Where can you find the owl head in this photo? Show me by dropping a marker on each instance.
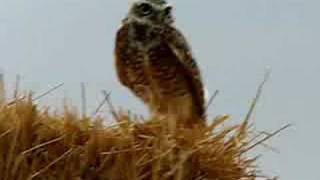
(150, 12)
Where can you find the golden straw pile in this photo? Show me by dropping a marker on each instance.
(38, 145)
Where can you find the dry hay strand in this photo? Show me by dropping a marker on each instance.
(37, 145)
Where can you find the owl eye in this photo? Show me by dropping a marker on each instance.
(167, 10)
(145, 9)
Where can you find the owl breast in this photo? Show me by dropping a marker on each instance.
(166, 72)
(153, 71)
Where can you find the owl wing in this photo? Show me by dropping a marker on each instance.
(121, 56)
(181, 49)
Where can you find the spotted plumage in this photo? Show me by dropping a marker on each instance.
(155, 62)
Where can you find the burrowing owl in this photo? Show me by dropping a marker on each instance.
(155, 62)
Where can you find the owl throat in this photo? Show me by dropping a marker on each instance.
(144, 36)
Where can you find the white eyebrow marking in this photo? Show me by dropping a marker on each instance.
(157, 6)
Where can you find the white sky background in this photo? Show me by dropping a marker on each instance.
(71, 41)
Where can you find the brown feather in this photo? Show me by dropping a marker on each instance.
(121, 45)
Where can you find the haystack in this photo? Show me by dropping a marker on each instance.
(38, 145)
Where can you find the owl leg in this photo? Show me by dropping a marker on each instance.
(145, 93)
(182, 109)
(174, 112)
(157, 110)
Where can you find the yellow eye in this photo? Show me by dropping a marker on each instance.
(145, 9)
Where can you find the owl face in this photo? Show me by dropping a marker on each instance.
(150, 12)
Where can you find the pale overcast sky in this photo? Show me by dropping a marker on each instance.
(71, 41)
